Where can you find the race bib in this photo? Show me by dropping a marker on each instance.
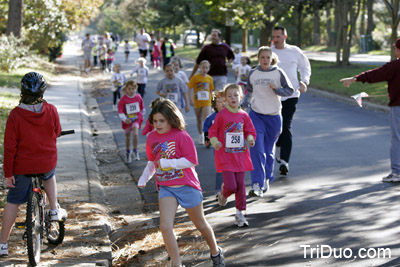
(173, 97)
(132, 108)
(234, 140)
(203, 95)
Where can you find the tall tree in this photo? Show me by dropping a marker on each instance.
(370, 19)
(393, 9)
(14, 23)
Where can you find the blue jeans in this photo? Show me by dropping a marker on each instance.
(219, 82)
(395, 139)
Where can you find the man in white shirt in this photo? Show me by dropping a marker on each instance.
(87, 45)
(143, 40)
(292, 60)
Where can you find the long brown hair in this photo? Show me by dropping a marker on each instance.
(170, 111)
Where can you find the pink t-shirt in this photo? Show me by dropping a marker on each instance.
(132, 107)
(174, 144)
(232, 129)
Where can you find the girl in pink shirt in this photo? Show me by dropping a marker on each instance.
(172, 158)
(130, 109)
(231, 128)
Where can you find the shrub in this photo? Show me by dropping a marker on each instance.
(12, 53)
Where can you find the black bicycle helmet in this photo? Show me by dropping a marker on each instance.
(33, 83)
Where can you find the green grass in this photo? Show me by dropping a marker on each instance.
(326, 76)
(189, 52)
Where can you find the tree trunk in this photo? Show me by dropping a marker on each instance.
(299, 24)
(244, 39)
(370, 19)
(339, 32)
(264, 34)
(329, 33)
(362, 19)
(317, 32)
(14, 23)
(393, 7)
(228, 35)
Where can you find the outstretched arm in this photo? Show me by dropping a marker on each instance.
(348, 81)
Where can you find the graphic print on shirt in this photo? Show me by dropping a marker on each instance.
(234, 137)
(172, 92)
(167, 150)
(202, 91)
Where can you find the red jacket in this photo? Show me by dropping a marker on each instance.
(389, 72)
(30, 141)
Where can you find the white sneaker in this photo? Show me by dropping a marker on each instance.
(58, 214)
(137, 157)
(128, 157)
(114, 107)
(201, 139)
(284, 168)
(266, 185)
(256, 191)
(240, 220)
(4, 250)
(278, 154)
(391, 178)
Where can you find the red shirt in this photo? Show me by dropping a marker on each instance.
(216, 55)
(389, 72)
(30, 141)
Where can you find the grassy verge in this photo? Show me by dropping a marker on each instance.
(326, 76)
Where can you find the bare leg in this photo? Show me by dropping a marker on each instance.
(196, 214)
(128, 141)
(205, 111)
(50, 186)
(9, 216)
(135, 137)
(168, 206)
(197, 112)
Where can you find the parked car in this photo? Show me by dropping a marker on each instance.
(190, 37)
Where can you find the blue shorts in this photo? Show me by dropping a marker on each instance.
(187, 196)
(23, 186)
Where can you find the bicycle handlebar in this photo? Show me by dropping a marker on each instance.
(67, 132)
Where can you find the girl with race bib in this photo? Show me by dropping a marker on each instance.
(172, 159)
(202, 86)
(118, 80)
(130, 109)
(228, 135)
(173, 88)
(142, 73)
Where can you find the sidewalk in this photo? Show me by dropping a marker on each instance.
(86, 241)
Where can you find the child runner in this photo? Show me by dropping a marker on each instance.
(30, 147)
(265, 86)
(142, 73)
(156, 55)
(130, 109)
(242, 73)
(202, 85)
(231, 128)
(172, 158)
(103, 56)
(127, 48)
(148, 127)
(173, 88)
(238, 57)
(110, 59)
(118, 80)
(176, 62)
(218, 104)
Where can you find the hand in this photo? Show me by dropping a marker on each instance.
(140, 185)
(10, 181)
(218, 146)
(302, 87)
(207, 143)
(252, 143)
(273, 86)
(128, 121)
(348, 81)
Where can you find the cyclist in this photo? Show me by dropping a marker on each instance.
(30, 148)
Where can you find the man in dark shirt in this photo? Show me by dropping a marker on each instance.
(217, 53)
(390, 72)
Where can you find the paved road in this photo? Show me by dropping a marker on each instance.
(332, 198)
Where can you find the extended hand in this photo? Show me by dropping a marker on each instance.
(348, 81)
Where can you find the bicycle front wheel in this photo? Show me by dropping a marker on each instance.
(34, 228)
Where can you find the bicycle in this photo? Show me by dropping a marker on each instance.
(38, 224)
